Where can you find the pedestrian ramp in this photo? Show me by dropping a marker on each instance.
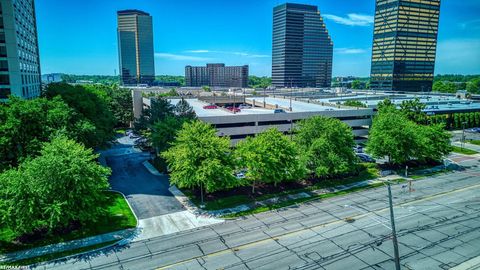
(172, 223)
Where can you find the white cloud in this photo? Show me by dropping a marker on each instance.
(197, 51)
(350, 51)
(352, 19)
(180, 57)
(244, 54)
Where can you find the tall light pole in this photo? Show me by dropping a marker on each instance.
(394, 232)
(463, 134)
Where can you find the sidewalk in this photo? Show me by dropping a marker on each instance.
(66, 246)
(300, 195)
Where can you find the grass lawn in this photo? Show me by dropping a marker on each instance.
(303, 200)
(118, 217)
(464, 150)
(476, 142)
(369, 171)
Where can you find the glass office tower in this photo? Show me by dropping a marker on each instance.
(135, 47)
(19, 56)
(302, 50)
(404, 45)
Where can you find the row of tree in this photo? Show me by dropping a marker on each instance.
(49, 176)
(198, 158)
(322, 147)
(453, 83)
(397, 134)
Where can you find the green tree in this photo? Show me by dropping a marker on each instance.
(199, 158)
(355, 103)
(394, 136)
(183, 109)
(164, 132)
(259, 82)
(63, 184)
(121, 105)
(385, 105)
(327, 144)
(356, 84)
(413, 110)
(434, 143)
(270, 157)
(92, 104)
(206, 88)
(26, 124)
(159, 109)
(473, 86)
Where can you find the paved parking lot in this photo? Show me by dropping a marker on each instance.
(147, 193)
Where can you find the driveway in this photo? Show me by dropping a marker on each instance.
(147, 193)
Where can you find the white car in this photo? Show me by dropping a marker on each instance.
(240, 175)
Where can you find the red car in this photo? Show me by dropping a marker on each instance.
(230, 108)
(210, 107)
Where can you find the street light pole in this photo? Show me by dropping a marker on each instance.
(394, 232)
(463, 134)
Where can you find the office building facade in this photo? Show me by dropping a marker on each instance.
(217, 75)
(302, 50)
(19, 57)
(135, 47)
(404, 45)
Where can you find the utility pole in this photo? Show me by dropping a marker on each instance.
(463, 134)
(394, 232)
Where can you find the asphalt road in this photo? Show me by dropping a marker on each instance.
(147, 193)
(437, 224)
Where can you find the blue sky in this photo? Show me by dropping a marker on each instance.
(79, 37)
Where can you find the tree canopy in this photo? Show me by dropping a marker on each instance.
(26, 124)
(327, 144)
(199, 158)
(61, 185)
(400, 139)
(270, 157)
(92, 104)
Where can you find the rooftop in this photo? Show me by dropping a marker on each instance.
(297, 106)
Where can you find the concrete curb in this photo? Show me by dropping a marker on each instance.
(151, 168)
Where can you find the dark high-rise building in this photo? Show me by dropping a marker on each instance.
(19, 55)
(404, 44)
(302, 49)
(216, 75)
(135, 47)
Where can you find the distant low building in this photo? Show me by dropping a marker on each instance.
(217, 75)
(52, 78)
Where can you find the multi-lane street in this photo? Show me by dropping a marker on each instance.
(437, 225)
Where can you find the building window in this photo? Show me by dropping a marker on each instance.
(2, 37)
(4, 79)
(3, 51)
(3, 65)
(5, 92)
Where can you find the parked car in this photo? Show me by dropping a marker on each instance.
(233, 109)
(366, 158)
(134, 136)
(210, 107)
(244, 106)
(279, 111)
(358, 149)
(240, 175)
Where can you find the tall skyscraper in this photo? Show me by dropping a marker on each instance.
(216, 75)
(302, 49)
(135, 47)
(19, 60)
(404, 44)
